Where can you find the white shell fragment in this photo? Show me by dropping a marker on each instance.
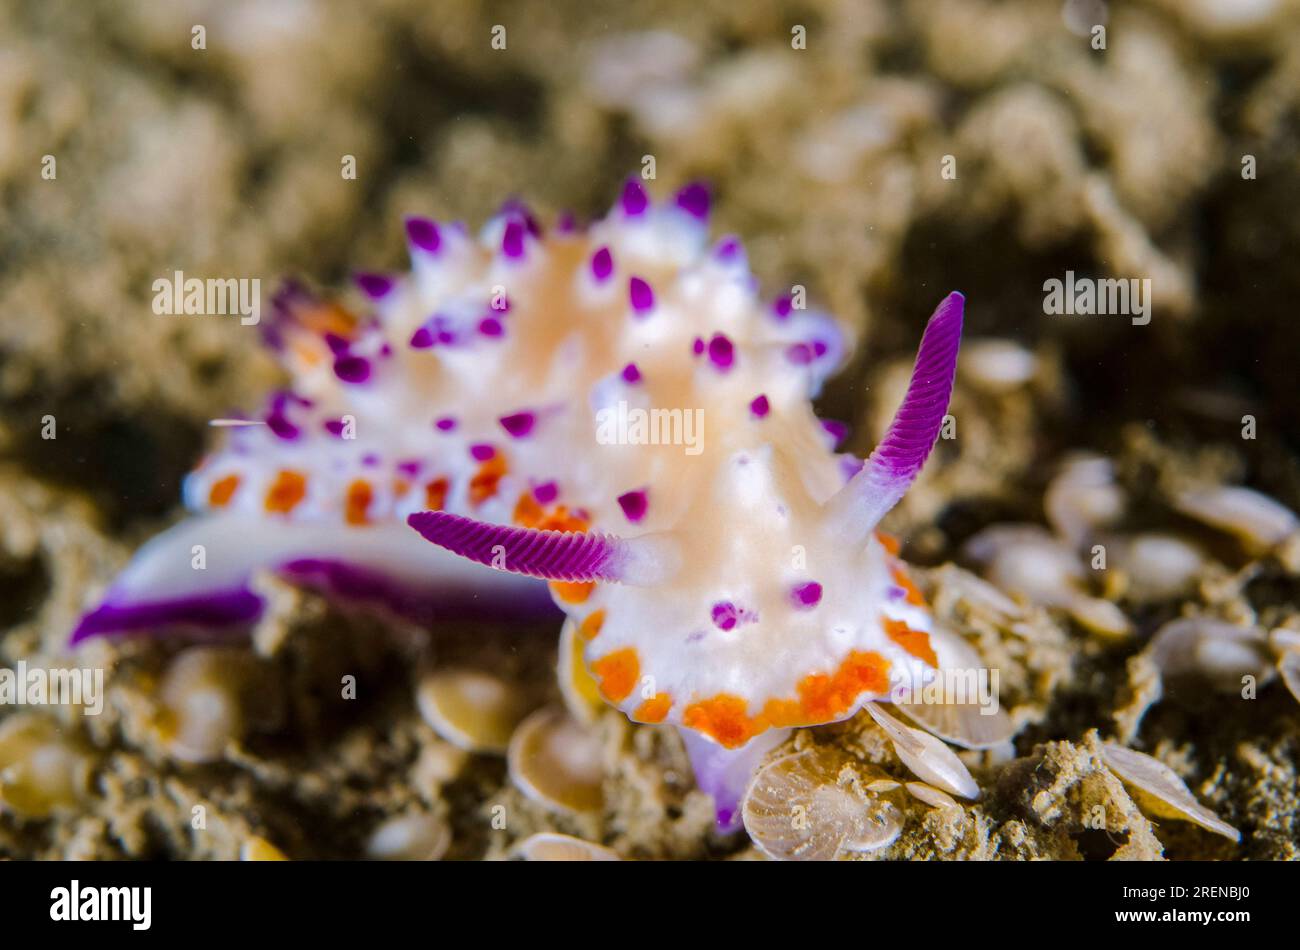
(1220, 652)
(796, 810)
(997, 366)
(552, 846)
(556, 762)
(927, 757)
(1159, 566)
(1164, 794)
(473, 710)
(931, 795)
(967, 713)
(414, 837)
(1254, 518)
(1082, 498)
(1026, 560)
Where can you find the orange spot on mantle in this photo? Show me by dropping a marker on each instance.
(288, 489)
(435, 494)
(823, 697)
(617, 673)
(914, 596)
(915, 642)
(572, 592)
(357, 503)
(654, 709)
(485, 481)
(591, 625)
(221, 491)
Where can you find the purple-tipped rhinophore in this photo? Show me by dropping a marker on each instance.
(897, 460)
(553, 555)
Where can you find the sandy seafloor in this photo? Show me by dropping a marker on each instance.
(1123, 162)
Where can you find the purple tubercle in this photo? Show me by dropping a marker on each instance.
(334, 427)
(640, 295)
(836, 430)
(694, 200)
(409, 467)
(445, 424)
(896, 593)
(634, 200)
(423, 234)
(634, 504)
(782, 306)
(553, 555)
(602, 264)
(566, 223)
(760, 407)
(281, 427)
(806, 595)
(491, 327)
(697, 346)
(631, 374)
(512, 240)
(728, 249)
(517, 209)
(337, 344)
(482, 451)
(518, 424)
(436, 331)
(721, 352)
(546, 492)
(374, 286)
(352, 369)
(725, 615)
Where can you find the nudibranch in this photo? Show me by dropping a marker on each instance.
(611, 409)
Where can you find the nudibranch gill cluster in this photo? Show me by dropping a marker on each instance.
(611, 408)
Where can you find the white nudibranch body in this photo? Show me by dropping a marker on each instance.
(613, 409)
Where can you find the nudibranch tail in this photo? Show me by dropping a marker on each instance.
(199, 575)
(570, 556)
(897, 460)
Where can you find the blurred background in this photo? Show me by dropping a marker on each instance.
(878, 152)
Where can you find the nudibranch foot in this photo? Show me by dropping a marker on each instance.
(198, 576)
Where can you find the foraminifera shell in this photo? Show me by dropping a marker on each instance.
(555, 760)
(796, 810)
(208, 701)
(471, 709)
(552, 846)
(412, 837)
(41, 769)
